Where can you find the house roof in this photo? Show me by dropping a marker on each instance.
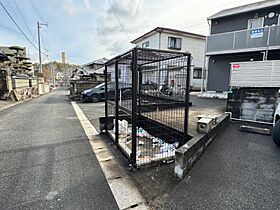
(100, 61)
(245, 8)
(167, 30)
(7, 50)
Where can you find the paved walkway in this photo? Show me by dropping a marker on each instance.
(238, 171)
(6, 104)
(46, 161)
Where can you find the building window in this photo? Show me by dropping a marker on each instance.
(255, 23)
(120, 73)
(146, 44)
(174, 43)
(197, 73)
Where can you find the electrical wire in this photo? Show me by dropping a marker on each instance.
(21, 31)
(113, 10)
(34, 39)
(43, 43)
(36, 10)
(10, 29)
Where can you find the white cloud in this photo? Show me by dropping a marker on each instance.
(139, 16)
(88, 5)
(118, 23)
(125, 8)
(70, 7)
(73, 8)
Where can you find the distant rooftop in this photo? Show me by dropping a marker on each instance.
(245, 8)
(168, 30)
(100, 61)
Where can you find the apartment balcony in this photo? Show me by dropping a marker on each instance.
(266, 38)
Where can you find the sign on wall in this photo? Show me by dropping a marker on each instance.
(257, 33)
(235, 67)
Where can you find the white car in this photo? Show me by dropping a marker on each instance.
(276, 125)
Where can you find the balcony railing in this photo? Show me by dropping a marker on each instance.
(267, 37)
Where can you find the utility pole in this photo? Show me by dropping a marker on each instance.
(63, 57)
(53, 74)
(39, 45)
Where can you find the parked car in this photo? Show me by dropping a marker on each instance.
(97, 93)
(276, 125)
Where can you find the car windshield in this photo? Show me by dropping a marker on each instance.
(100, 85)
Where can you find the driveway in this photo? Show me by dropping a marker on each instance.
(238, 171)
(200, 106)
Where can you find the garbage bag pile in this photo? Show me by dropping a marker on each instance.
(148, 146)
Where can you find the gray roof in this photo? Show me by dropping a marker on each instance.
(6, 50)
(245, 8)
(167, 30)
(100, 61)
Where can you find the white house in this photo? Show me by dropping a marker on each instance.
(178, 41)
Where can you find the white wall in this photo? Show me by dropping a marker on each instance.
(125, 73)
(193, 45)
(196, 46)
(153, 41)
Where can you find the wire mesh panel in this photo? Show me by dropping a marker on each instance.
(150, 103)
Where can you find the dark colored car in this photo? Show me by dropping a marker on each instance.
(97, 93)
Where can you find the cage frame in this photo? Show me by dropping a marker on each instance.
(134, 112)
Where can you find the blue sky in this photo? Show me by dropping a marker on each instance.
(90, 29)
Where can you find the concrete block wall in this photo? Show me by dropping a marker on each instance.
(187, 155)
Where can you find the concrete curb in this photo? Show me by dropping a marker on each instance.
(122, 186)
(21, 102)
(187, 155)
(10, 105)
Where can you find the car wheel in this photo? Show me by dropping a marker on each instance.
(276, 133)
(94, 98)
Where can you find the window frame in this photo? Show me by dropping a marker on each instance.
(120, 73)
(169, 43)
(199, 74)
(260, 18)
(146, 44)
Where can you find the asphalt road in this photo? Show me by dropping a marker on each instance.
(238, 171)
(46, 161)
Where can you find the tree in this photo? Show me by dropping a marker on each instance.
(57, 67)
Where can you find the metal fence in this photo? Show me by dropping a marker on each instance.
(147, 103)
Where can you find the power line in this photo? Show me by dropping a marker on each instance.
(18, 26)
(21, 31)
(46, 40)
(113, 10)
(36, 10)
(10, 29)
(24, 21)
(201, 11)
(43, 43)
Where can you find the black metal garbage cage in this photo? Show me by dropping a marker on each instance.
(147, 103)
